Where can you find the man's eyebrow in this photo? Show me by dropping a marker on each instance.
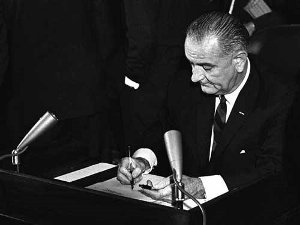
(203, 64)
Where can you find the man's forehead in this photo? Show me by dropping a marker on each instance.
(207, 45)
(206, 41)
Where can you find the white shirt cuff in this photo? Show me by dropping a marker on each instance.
(131, 83)
(214, 186)
(147, 154)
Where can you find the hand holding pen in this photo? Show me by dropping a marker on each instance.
(131, 168)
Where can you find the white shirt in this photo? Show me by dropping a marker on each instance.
(214, 185)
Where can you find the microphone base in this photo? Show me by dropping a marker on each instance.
(178, 204)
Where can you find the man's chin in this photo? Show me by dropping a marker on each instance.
(208, 90)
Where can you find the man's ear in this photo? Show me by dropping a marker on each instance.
(240, 60)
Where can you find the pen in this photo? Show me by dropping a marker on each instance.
(145, 186)
(130, 168)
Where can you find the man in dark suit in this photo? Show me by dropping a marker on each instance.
(227, 142)
(155, 36)
(56, 65)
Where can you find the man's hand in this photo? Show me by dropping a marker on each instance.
(138, 167)
(194, 186)
(163, 189)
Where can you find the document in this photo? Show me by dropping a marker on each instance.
(113, 186)
(85, 172)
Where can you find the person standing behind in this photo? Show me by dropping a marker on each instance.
(155, 35)
(55, 66)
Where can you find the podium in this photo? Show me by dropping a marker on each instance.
(35, 200)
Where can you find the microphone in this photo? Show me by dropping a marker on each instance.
(47, 121)
(173, 145)
(174, 150)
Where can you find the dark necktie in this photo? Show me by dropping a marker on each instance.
(219, 121)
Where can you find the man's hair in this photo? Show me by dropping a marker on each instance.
(230, 32)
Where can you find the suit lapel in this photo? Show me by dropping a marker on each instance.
(240, 111)
(205, 112)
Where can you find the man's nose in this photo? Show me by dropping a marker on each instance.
(197, 75)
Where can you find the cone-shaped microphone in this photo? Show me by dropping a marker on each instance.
(47, 121)
(174, 150)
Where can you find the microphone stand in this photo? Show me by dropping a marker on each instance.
(15, 159)
(172, 140)
(182, 191)
(178, 194)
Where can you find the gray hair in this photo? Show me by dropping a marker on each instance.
(230, 32)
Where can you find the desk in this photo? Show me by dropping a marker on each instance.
(35, 200)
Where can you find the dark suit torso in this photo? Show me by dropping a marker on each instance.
(53, 60)
(251, 144)
(156, 32)
(56, 54)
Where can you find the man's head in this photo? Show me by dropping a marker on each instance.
(216, 46)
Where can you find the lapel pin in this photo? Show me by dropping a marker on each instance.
(241, 113)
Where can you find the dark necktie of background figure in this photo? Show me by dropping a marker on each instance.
(219, 121)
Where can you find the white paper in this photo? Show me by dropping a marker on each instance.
(113, 186)
(85, 172)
